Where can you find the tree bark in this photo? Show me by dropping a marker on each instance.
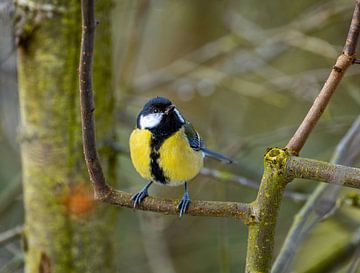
(65, 229)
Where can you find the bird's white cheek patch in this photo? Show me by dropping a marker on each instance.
(150, 120)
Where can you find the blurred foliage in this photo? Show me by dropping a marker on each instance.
(245, 73)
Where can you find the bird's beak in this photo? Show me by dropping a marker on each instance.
(169, 108)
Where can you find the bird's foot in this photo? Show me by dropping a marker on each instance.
(139, 197)
(184, 204)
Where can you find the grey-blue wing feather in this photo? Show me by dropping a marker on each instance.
(198, 144)
(193, 137)
(216, 156)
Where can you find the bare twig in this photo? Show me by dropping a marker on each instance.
(10, 235)
(355, 261)
(14, 264)
(353, 35)
(131, 52)
(10, 193)
(343, 62)
(339, 255)
(87, 99)
(268, 44)
(320, 204)
(103, 191)
(227, 176)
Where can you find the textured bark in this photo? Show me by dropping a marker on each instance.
(261, 235)
(65, 229)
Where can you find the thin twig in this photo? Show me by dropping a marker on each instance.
(339, 255)
(87, 99)
(227, 176)
(355, 261)
(10, 193)
(130, 57)
(14, 264)
(10, 235)
(103, 191)
(343, 62)
(353, 35)
(269, 44)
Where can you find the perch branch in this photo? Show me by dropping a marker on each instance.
(236, 210)
(102, 190)
(343, 62)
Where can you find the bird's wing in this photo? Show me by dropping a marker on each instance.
(193, 137)
(197, 144)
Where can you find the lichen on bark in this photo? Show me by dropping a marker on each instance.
(262, 233)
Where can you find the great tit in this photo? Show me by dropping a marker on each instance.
(166, 149)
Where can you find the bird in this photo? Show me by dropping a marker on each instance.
(166, 149)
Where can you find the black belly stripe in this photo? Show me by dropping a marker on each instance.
(170, 125)
(156, 171)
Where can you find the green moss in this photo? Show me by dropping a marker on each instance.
(261, 234)
(51, 146)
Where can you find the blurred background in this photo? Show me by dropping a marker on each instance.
(244, 73)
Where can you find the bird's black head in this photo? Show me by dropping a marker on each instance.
(160, 116)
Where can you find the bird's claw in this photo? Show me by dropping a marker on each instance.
(183, 205)
(139, 197)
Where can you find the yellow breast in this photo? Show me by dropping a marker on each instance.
(140, 149)
(178, 160)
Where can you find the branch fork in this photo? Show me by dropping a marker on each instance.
(280, 165)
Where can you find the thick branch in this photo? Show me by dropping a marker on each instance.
(280, 168)
(343, 62)
(322, 171)
(261, 234)
(103, 191)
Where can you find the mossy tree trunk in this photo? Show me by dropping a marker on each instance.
(65, 230)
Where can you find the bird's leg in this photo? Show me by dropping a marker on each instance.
(140, 196)
(185, 201)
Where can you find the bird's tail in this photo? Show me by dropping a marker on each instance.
(217, 156)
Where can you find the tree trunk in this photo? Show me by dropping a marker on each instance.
(65, 230)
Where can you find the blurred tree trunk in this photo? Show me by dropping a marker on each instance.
(65, 230)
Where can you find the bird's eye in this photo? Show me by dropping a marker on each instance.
(156, 111)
